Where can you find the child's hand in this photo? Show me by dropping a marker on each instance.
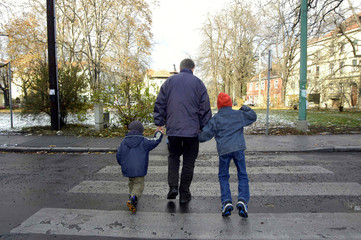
(160, 129)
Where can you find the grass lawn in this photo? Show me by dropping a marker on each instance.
(320, 121)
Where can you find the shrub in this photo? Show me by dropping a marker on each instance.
(131, 100)
(72, 86)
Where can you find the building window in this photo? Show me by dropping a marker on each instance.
(332, 49)
(354, 65)
(342, 67)
(317, 71)
(250, 86)
(293, 85)
(256, 86)
(262, 85)
(318, 54)
(276, 84)
(342, 47)
(331, 69)
(331, 89)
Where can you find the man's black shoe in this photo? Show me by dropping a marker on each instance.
(173, 193)
(185, 199)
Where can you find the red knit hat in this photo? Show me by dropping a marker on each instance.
(224, 100)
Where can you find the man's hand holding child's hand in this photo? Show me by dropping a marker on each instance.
(160, 129)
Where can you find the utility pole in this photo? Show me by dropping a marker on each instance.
(53, 71)
(268, 86)
(259, 78)
(302, 123)
(10, 98)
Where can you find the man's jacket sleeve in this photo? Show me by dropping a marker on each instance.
(208, 131)
(160, 107)
(205, 113)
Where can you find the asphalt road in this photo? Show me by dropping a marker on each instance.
(83, 196)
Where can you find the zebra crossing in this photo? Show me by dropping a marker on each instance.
(192, 224)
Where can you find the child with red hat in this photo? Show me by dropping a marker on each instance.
(227, 128)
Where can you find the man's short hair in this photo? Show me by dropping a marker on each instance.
(187, 63)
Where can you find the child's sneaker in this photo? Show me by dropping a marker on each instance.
(132, 203)
(227, 208)
(242, 208)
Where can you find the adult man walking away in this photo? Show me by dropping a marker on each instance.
(183, 107)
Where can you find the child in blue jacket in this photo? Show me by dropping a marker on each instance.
(227, 128)
(133, 157)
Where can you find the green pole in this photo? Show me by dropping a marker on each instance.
(302, 123)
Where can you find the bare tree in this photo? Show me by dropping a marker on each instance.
(88, 32)
(227, 51)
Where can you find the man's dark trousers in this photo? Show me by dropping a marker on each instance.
(188, 147)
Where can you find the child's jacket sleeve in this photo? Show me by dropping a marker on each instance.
(248, 115)
(208, 131)
(150, 144)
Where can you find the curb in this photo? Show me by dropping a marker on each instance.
(113, 150)
(56, 149)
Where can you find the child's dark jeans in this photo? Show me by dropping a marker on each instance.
(223, 175)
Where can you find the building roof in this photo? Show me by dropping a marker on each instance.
(349, 24)
(3, 63)
(159, 74)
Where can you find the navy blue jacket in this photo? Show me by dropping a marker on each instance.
(133, 153)
(182, 105)
(227, 128)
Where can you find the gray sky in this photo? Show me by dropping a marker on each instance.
(176, 28)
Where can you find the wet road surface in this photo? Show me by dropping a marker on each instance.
(83, 196)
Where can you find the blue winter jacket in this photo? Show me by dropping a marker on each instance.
(227, 128)
(133, 153)
(182, 105)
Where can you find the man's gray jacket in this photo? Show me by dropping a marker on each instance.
(182, 105)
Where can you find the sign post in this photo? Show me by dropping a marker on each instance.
(302, 123)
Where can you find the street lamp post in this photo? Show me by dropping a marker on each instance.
(302, 123)
(10, 98)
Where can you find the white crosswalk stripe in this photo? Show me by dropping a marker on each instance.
(150, 225)
(212, 188)
(214, 159)
(214, 170)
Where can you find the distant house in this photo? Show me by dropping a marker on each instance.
(257, 91)
(333, 68)
(155, 79)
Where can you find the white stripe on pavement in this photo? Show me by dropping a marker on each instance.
(214, 170)
(270, 158)
(266, 158)
(205, 189)
(150, 225)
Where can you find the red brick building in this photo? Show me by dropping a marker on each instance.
(258, 94)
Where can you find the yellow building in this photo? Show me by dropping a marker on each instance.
(333, 68)
(155, 79)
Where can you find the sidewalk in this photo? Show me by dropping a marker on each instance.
(255, 143)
